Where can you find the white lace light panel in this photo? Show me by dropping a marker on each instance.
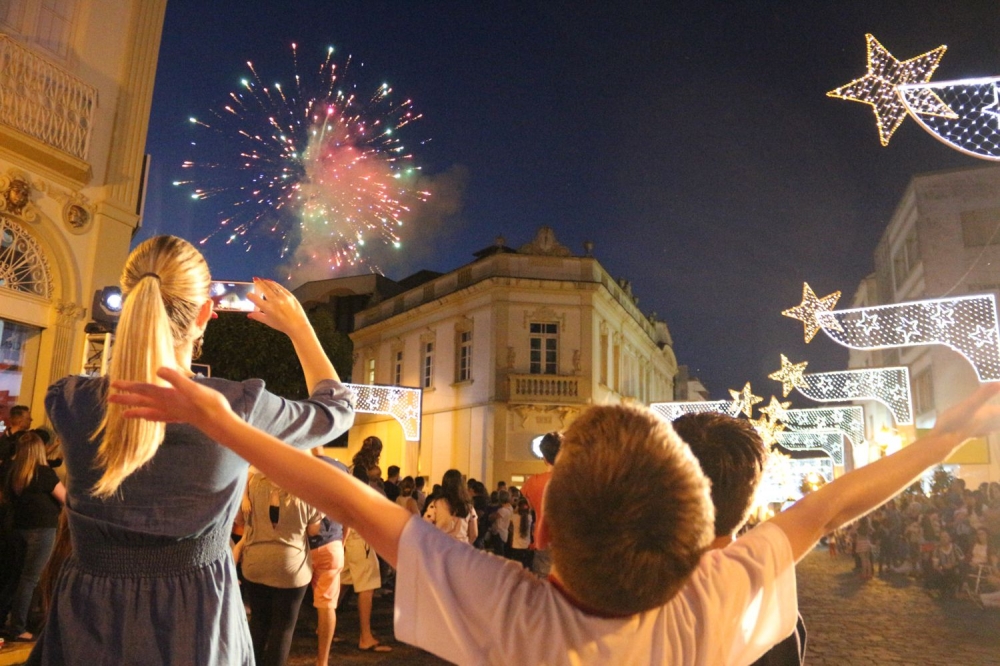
(890, 386)
(972, 127)
(782, 478)
(830, 441)
(802, 466)
(402, 404)
(673, 410)
(850, 421)
(967, 324)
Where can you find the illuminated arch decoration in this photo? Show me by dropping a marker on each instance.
(889, 386)
(967, 324)
(848, 421)
(402, 404)
(822, 466)
(829, 441)
(23, 266)
(673, 410)
(972, 127)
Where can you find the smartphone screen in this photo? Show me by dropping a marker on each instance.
(231, 296)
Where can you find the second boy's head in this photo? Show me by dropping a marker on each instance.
(732, 456)
(627, 511)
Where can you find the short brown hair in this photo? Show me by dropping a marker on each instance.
(628, 510)
(732, 456)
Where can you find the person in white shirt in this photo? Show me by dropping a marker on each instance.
(642, 588)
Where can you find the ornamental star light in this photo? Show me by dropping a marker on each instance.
(849, 421)
(402, 404)
(967, 324)
(767, 429)
(743, 401)
(674, 410)
(877, 87)
(973, 127)
(775, 410)
(811, 308)
(790, 375)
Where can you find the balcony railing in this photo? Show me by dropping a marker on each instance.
(545, 388)
(42, 100)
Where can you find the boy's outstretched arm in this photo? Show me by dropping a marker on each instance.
(338, 495)
(855, 494)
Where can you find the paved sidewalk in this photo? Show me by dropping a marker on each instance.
(346, 651)
(889, 621)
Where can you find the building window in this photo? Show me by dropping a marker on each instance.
(18, 362)
(544, 349)
(427, 368)
(463, 364)
(22, 263)
(604, 359)
(48, 23)
(905, 259)
(398, 369)
(981, 227)
(923, 392)
(370, 371)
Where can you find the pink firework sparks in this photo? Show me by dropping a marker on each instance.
(316, 167)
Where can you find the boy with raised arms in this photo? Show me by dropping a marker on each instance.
(629, 518)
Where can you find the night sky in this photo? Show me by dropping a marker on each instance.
(693, 144)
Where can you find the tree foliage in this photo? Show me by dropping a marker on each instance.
(238, 348)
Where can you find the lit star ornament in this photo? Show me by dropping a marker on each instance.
(767, 429)
(775, 410)
(811, 308)
(743, 401)
(877, 87)
(790, 375)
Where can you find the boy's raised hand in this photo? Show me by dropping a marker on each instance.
(277, 307)
(184, 401)
(975, 416)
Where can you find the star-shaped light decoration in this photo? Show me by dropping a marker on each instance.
(743, 401)
(877, 87)
(775, 409)
(809, 310)
(768, 429)
(790, 375)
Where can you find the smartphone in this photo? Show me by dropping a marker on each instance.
(231, 296)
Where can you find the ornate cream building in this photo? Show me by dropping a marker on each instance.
(507, 348)
(76, 85)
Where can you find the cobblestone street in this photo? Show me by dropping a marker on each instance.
(892, 620)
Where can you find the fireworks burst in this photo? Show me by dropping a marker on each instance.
(319, 166)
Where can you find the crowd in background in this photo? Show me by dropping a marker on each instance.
(277, 539)
(949, 539)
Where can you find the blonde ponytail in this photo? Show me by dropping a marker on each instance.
(164, 283)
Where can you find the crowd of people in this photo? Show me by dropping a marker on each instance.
(949, 539)
(631, 534)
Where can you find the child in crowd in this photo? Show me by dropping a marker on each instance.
(629, 518)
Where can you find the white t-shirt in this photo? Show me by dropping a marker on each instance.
(473, 608)
(501, 523)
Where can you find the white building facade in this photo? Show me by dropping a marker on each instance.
(507, 348)
(76, 84)
(943, 240)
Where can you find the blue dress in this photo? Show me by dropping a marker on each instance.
(151, 579)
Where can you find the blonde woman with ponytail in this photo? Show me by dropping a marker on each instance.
(150, 505)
